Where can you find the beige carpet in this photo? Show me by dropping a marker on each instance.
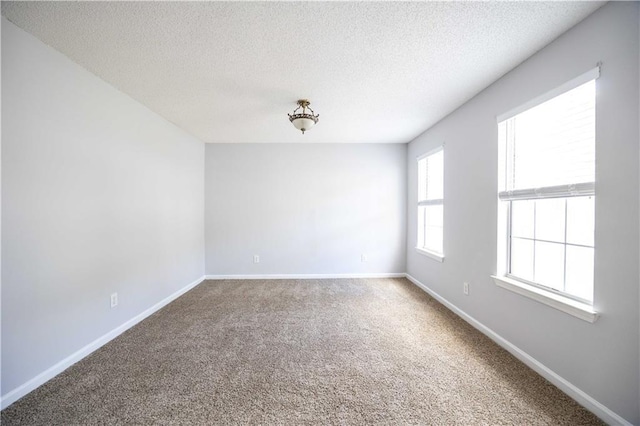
(350, 351)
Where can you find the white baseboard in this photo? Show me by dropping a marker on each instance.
(17, 393)
(303, 276)
(573, 391)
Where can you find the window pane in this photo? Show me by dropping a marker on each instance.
(549, 265)
(580, 220)
(430, 227)
(421, 225)
(522, 259)
(434, 215)
(433, 234)
(580, 272)
(435, 176)
(522, 218)
(550, 219)
(433, 239)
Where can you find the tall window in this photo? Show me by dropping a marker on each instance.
(547, 191)
(431, 203)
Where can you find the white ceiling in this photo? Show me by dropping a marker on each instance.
(230, 72)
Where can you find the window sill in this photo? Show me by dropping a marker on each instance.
(572, 307)
(431, 254)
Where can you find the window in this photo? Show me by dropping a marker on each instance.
(547, 191)
(431, 204)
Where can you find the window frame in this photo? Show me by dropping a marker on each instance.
(563, 301)
(433, 254)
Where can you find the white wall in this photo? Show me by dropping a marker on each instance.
(305, 208)
(601, 359)
(100, 195)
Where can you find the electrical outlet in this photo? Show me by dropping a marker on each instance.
(114, 300)
(465, 288)
(364, 258)
(256, 258)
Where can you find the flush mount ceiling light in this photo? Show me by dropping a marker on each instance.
(303, 120)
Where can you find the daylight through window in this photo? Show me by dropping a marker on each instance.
(547, 190)
(431, 202)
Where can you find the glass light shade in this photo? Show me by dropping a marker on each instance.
(303, 124)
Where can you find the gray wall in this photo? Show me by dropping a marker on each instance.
(602, 358)
(99, 195)
(305, 208)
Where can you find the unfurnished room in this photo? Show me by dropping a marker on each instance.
(286, 213)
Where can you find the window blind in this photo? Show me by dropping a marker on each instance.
(550, 148)
(431, 176)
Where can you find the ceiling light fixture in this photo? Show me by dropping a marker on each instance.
(302, 120)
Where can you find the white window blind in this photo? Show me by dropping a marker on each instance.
(550, 148)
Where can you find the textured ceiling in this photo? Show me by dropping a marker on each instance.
(230, 72)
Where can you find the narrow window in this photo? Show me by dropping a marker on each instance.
(431, 204)
(547, 192)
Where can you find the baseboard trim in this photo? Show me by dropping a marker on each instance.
(17, 393)
(303, 276)
(573, 391)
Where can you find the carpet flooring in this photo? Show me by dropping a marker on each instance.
(348, 351)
